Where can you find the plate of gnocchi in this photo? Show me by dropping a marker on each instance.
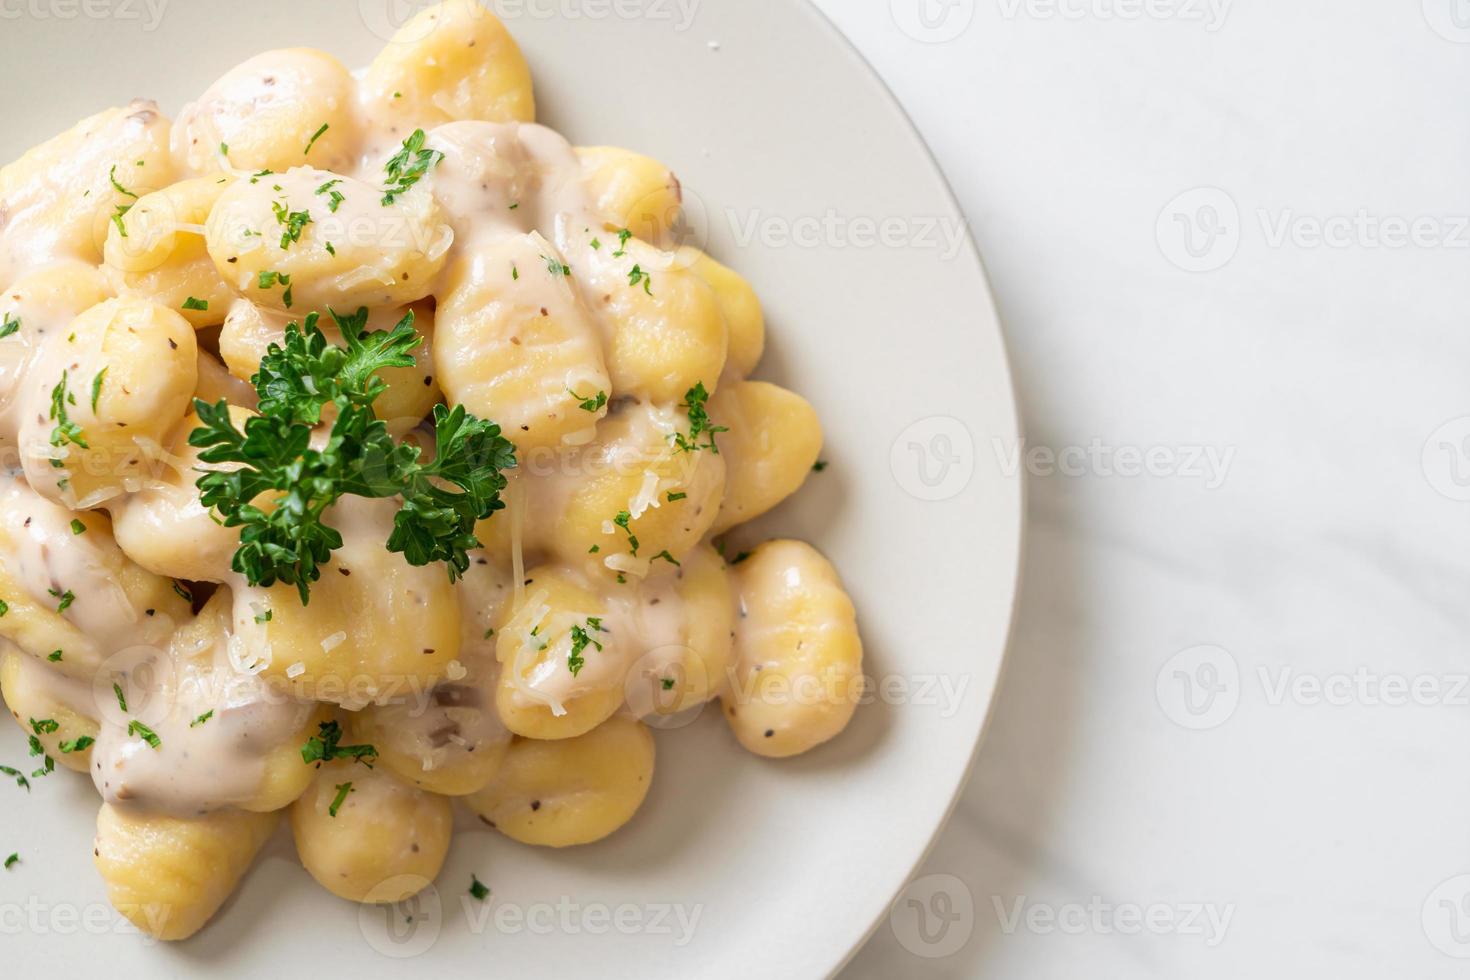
(511, 486)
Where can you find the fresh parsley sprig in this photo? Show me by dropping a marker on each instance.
(288, 539)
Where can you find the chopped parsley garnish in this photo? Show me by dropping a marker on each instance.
(342, 790)
(63, 599)
(668, 683)
(623, 520)
(224, 149)
(335, 198)
(819, 466)
(20, 780)
(408, 166)
(80, 744)
(594, 549)
(515, 274)
(623, 237)
(592, 404)
(269, 278)
(331, 250)
(265, 617)
(699, 423)
(580, 641)
(314, 137)
(10, 326)
(46, 726)
(196, 304)
(66, 430)
(122, 700)
(665, 556)
(77, 527)
(556, 267)
(324, 747)
(122, 209)
(202, 718)
(360, 458)
(294, 222)
(4, 607)
(478, 890)
(637, 275)
(10, 861)
(596, 244)
(47, 767)
(145, 733)
(97, 388)
(676, 496)
(54, 656)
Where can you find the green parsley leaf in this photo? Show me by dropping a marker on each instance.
(408, 166)
(314, 137)
(478, 890)
(145, 733)
(699, 423)
(592, 404)
(80, 744)
(202, 718)
(623, 237)
(10, 861)
(324, 747)
(819, 466)
(342, 790)
(122, 699)
(77, 527)
(66, 430)
(196, 304)
(637, 275)
(665, 556)
(10, 326)
(580, 641)
(668, 683)
(20, 780)
(556, 267)
(54, 656)
(623, 520)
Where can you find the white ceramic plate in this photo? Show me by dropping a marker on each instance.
(810, 181)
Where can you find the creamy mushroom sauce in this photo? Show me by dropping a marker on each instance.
(192, 668)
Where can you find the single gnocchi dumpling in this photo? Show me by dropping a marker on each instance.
(643, 488)
(216, 737)
(772, 442)
(668, 332)
(40, 303)
(520, 347)
(453, 61)
(366, 836)
(309, 239)
(683, 625)
(73, 598)
(631, 191)
(60, 198)
(449, 740)
(249, 331)
(561, 671)
(165, 528)
(102, 398)
(798, 659)
(157, 251)
(572, 791)
(59, 711)
(744, 319)
(167, 875)
(375, 625)
(278, 110)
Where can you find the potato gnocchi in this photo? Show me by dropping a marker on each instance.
(372, 447)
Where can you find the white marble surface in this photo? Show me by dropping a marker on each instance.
(1317, 809)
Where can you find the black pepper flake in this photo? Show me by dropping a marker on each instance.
(149, 612)
(535, 805)
(173, 344)
(770, 732)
